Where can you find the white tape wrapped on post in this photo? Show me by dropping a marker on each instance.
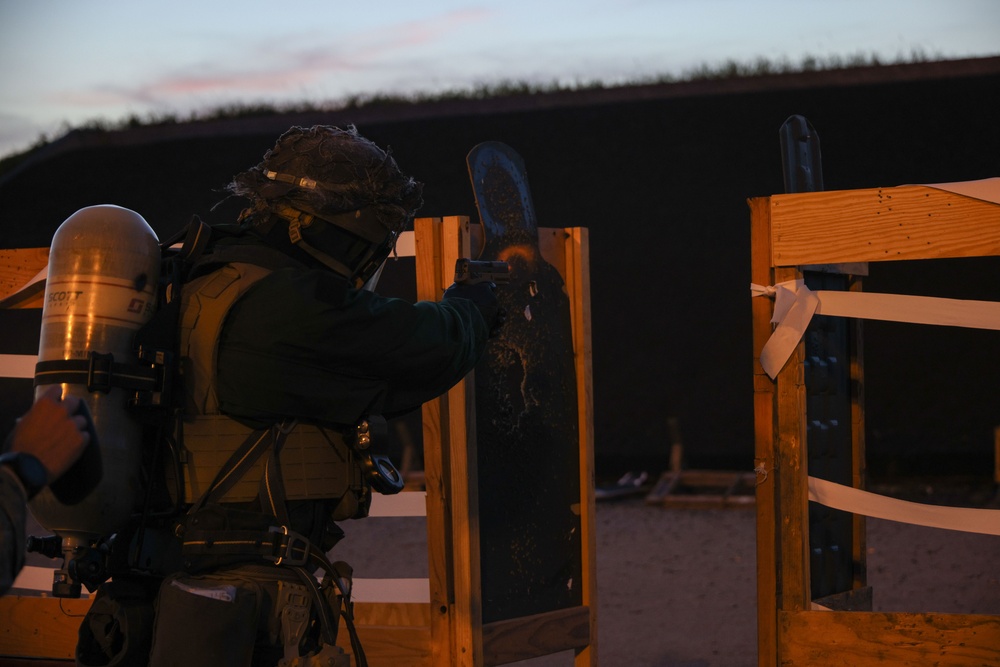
(795, 305)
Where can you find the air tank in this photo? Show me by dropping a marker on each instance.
(104, 265)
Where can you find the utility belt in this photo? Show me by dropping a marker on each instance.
(218, 536)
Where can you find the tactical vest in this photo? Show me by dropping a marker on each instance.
(315, 462)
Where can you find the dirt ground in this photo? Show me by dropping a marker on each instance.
(677, 587)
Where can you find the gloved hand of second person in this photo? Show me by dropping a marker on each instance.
(485, 298)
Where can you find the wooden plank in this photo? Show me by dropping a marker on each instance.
(410, 614)
(427, 242)
(577, 276)
(46, 627)
(531, 636)
(552, 245)
(467, 608)
(848, 639)
(18, 266)
(40, 627)
(764, 439)
(881, 224)
(568, 250)
(791, 468)
(703, 489)
(463, 509)
(392, 633)
(449, 461)
(391, 646)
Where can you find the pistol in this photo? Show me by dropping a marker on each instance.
(472, 272)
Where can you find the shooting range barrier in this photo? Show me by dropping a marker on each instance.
(402, 623)
(840, 231)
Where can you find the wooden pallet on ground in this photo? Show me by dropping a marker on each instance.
(703, 489)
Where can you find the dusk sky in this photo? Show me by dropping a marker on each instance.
(69, 62)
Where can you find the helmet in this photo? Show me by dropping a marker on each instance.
(343, 198)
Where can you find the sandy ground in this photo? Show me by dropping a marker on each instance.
(677, 587)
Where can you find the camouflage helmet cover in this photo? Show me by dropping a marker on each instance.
(325, 171)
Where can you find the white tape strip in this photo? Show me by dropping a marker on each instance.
(391, 590)
(18, 365)
(406, 503)
(792, 319)
(987, 189)
(39, 579)
(857, 501)
(33, 578)
(406, 245)
(906, 308)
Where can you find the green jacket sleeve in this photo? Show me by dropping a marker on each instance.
(304, 344)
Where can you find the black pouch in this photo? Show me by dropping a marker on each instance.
(118, 627)
(208, 620)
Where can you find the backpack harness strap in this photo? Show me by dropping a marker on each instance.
(279, 544)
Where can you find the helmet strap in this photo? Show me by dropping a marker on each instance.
(297, 220)
(295, 236)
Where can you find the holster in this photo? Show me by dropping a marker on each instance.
(118, 628)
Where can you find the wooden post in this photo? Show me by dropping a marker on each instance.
(768, 522)
(567, 250)
(450, 472)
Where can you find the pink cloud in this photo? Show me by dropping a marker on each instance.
(284, 68)
(421, 32)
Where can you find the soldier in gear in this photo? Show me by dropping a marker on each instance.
(289, 366)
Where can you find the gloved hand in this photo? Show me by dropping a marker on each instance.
(485, 298)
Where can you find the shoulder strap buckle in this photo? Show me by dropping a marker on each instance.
(292, 549)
